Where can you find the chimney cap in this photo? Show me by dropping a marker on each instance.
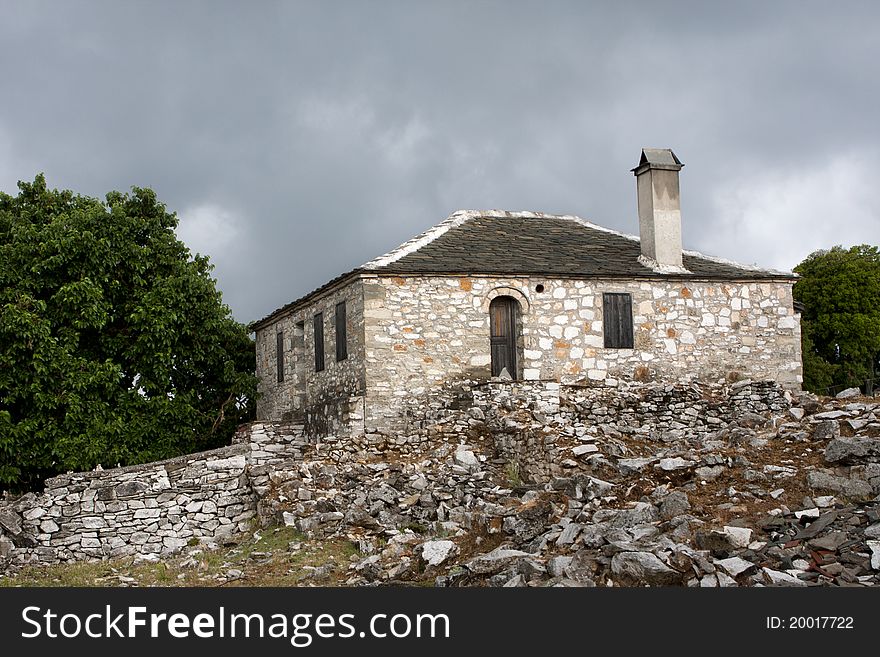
(657, 158)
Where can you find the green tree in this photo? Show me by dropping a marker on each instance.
(115, 346)
(840, 290)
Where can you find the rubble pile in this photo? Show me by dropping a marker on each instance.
(778, 493)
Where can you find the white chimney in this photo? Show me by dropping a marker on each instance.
(659, 208)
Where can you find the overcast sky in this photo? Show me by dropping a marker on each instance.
(297, 140)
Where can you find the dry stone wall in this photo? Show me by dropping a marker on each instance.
(542, 430)
(423, 332)
(524, 433)
(150, 509)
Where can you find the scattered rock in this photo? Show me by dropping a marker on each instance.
(435, 553)
(635, 568)
(852, 450)
(735, 566)
(495, 561)
(467, 459)
(848, 393)
(676, 463)
(675, 504)
(826, 430)
(779, 578)
(855, 489)
(738, 537)
(10, 522)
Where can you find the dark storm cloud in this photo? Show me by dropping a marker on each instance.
(298, 140)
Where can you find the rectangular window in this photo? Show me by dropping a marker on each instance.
(279, 355)
(617, 320)
(341, 338)
(319, 342)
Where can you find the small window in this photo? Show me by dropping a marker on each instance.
(319, 342)
(617, 320)
(341, 337)
(279, 355)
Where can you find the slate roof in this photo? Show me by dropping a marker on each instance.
(497, 242)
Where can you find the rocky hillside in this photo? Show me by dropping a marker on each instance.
(512, 484)
(782, 497)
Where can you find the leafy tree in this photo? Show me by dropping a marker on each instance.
(115, 346)
(840, 290)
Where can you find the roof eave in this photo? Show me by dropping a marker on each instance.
(296, 304)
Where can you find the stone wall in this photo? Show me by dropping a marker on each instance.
(476, 443)
(323, 399)
(150, 509)
(423, 332)
(539, 428)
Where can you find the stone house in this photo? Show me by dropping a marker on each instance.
(529, 296)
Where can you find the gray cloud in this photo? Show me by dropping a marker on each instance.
(298, 140)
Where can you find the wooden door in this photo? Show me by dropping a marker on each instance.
(503, 322)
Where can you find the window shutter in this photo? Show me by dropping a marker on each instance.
(617, 320)
(341, 337)
(279, 355)
(319, 342)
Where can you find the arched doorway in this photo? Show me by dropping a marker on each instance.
(504, 335)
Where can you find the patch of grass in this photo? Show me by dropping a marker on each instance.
(512, 475)
(263, 559)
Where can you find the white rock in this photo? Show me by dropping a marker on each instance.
(738, 537)
(47, 527)
(735, 566)
(145, 558)
(467, 459)
(33, 514)
(782, 579)
(709, 581)
(809, 514)
(436, 552)
(874, 546)
(676, 463)
(725, 580)
(232, 463)
(580, 450)
(849, 392)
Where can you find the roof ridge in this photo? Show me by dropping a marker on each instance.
(460, 217)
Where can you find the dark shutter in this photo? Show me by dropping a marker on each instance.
(502, 335)
(341, 338)
(279, 355)
(319, 342)
(617, 320)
